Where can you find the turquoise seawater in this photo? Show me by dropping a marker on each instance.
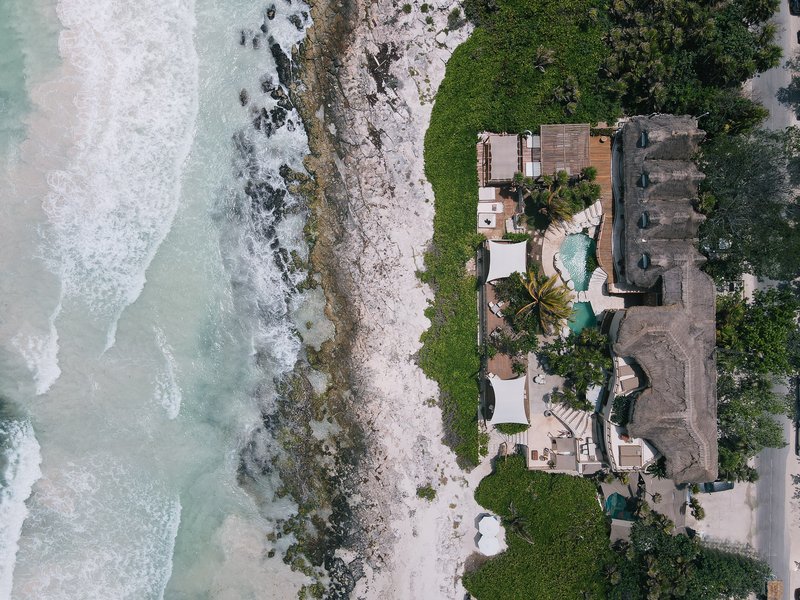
(147, 311)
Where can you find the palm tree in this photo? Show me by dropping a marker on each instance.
(549, 299)
(517, 524)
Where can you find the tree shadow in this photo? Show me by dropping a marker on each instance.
(789, 96)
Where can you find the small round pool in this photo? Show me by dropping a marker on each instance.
(574, 251)
(582, 317)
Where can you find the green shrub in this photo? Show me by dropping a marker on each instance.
(454, 20)
(427, 492)
(429, 20)
(621, 410)
(407, 8)
(556, 533)
(424, 8)
(511, 428)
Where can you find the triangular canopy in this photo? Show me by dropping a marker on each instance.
(506, 258)
(489, 545)
(509, 401)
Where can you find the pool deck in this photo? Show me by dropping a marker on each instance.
(600, 158)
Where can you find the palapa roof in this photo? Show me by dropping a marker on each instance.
(674, 344)
(660, 185)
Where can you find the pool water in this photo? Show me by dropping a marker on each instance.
(574, 251)
(582, 317)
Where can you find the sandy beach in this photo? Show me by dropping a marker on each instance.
(370, 83)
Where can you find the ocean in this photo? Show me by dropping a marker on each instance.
(151, 296)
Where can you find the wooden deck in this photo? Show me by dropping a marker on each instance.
(600, 158)
(499, 364)
(504, 195)
(565, 147)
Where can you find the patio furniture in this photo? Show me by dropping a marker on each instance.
(534, 455)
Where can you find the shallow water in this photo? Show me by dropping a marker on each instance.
(148, 304)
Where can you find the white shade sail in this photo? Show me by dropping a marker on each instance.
(506, 258)
(489, 545)
(509, 401)
(488, 525)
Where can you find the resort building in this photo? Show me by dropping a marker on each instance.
(664, 348)
(654, 303)
(558, 439)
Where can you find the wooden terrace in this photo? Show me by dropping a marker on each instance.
(600, 159)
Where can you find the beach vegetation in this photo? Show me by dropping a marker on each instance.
(556, 533)
(751, 205)
(756, 344)
(426, 492)
(656, 564)
(454, 19)
(493, 83)
(511, 428)
(756, 336)
(691, 58)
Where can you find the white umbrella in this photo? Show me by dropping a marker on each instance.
(488, 525)
(489, 545)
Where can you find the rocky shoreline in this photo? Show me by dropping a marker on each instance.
(365, 85)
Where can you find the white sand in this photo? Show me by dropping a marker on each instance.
(418, 546)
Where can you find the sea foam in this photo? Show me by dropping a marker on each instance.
(112, 204)
(20, 472)
(168, 392)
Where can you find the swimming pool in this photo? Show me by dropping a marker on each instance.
(574, 251)
(582, 317)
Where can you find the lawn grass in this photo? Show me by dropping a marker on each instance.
(492, 84)
(566, 549)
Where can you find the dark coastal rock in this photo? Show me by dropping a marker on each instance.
(285, 171)
(263, 125)
(278, 115)
(290, 125)
(264, 196)
(296, 21)
(379, 65)
(256, 42)
(263, 28)
(283, 64)
(271, 12)
(305, 15)
(273, 245)
(266, 83)
(279, 94)
(243, 38)
(244, 97)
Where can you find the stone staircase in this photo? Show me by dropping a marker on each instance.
(496, 439)
(579, 422)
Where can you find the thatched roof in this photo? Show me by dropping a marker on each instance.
(660, 185)
(674, 345)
